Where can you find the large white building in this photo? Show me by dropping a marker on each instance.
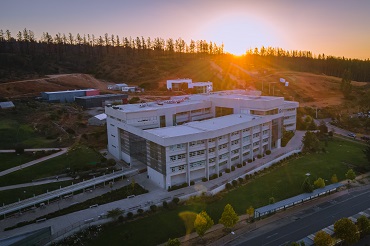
(191, 137)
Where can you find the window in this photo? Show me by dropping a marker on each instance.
(173, 158)
(193, 143)
(211, 140)
(256, 135)
(246, 130)
(246, 139)
(211, 150)
(234, 142)
(192, 154)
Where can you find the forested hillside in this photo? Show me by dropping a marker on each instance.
(147, 62)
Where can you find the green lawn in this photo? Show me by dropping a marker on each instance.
(13, 132)
(9, 160)
(11, 196)
(281, 182)
(77, 159)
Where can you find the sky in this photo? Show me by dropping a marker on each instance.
(333, 27)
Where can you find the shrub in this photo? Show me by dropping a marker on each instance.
(232, 168)
(176, 200)
(192, 182)
(213, 176)
(235, 183)
(227, 170)
(204, 179)
(247, 177)
(228, 186)
(259, 156)
(268, 152)
(111, 162)
(239, 165)
(120, 218)
(249, 160)
(241, 180)
(140, 211)
(130, 215)
(165, 205)
(153, 208)
(244, 163)
(220, 174)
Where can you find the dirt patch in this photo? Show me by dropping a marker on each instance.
(33, 88)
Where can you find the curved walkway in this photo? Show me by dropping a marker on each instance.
(31, 163)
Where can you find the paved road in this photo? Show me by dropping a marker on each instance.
(34, 162)
(304, 223)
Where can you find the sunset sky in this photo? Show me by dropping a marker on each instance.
(333, 27)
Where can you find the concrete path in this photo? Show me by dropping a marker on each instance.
(31, 163)
(10, 187)
(29, 150)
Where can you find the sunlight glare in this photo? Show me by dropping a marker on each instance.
(240, 33)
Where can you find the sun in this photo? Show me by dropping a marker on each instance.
(239, 33)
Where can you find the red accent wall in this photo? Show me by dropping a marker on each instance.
(92, 93)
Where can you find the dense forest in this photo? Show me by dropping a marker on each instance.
(110, 57)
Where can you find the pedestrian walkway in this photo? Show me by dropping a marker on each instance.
(48, 181)
(34, 162)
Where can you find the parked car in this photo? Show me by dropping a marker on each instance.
(351, 135)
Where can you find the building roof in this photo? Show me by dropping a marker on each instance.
(196, 127)
(155, 105)
(103, 96)
(201, 83)
(70, 91)
(8, 104)
(101, 116)
(292, 200)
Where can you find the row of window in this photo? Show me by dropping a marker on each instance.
(234, 142)
(197, 164)
(195, 153)
(178, 168)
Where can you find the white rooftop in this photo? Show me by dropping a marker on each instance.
(101, 116)
(155, 105)
(52, 92)
(196, 127)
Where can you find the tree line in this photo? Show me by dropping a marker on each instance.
(21, 43)
(24, 54)
(306, 61)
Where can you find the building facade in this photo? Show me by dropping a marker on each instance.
(192, 137)
(184, 84)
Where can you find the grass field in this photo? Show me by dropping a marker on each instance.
(280, 183)
(77, 159)
(12, 133)
(11, 196)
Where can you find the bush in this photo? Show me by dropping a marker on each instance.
(153, 208)
(239, 165)
(204, 179)
(165, 205)
(268, 152)
(227, 170)
(214, 176)
(249, 160)
(192, 183)
(220, 175)
(259, 156)
(232, 168)
(235, 183)
(228, 186)
(244, 163)
(241, 180)
(140, 211)
(247, 177)
(176, 200)
(111, 162)
(130, 215)
(120, 218)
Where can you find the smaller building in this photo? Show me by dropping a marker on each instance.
(185, 84)
(67, 96)
(6, 105)
(101, 100)
(98, 120)
(116, 87)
